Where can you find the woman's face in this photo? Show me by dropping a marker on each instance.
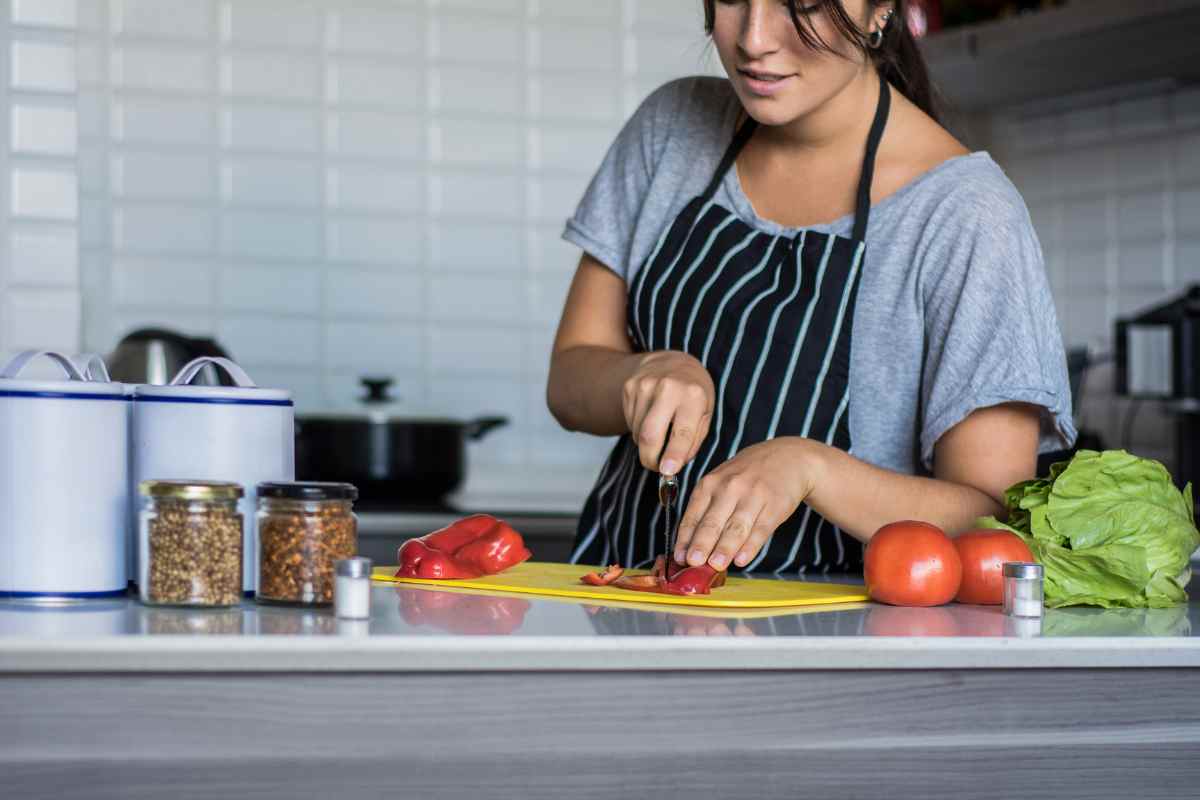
(776, 75)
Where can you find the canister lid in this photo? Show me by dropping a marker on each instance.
(191, 490)
(307, 490)
(357, 567)
(1022, 569)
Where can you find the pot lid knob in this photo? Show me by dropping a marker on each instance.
(377, 390)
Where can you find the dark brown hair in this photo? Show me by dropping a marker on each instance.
(897, 57)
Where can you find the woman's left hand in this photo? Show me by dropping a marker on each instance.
(736, 508)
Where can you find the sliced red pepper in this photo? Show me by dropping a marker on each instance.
(639, 583)
(610, 574)
(667, 577)
(473, 546)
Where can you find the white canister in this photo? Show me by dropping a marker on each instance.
(243, 434)
(63, 484)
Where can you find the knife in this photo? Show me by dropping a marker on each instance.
(668, 491)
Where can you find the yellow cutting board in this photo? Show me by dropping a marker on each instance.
(562, 580)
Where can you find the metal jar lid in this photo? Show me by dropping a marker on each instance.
(191, 490)
(357, 567)
(1023, 570)
(307, 490)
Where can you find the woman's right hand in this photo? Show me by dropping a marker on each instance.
(668, 391)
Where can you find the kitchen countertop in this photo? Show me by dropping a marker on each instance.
(418, 629)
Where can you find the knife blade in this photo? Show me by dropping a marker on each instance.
(668, 491)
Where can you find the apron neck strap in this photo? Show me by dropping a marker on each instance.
(862, 206)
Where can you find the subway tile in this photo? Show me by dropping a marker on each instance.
(278, 23)
(281, 290)
(1083, 171)
(275, 76)
(384, 348)
(1187, 261)
(1085, 320)
(1187, 210)
(152, 175)
(41, 319)
(378, 134)
(470, 397)
(459, 141)
(1034, 176)
(474, 348)
(560, 448)
(304, 384)
(43, 258)
(681, 15)
(90, 68)
(1141, 165)
(48, 13)
(477, 194)
(579, 148)
(277, 129)
(506, 447)
(669, 55)
(576, 10)
(1087, 125)
(372, 188)
(93, 114)
(358, 83)
(371, 240)
(1142, 115)
(1142, 216)
(493, 7)
(44, 130)
(276, 182)
(366, 30)
(554, 198)
(538, 345)
(45, 67)
(357, 292)
(476, 298)
(267, 340)
(473, 246)
(488, 91)
(96, 224)
(1085, 221)
(1187, 157)
(343, 388)
(464, 40)
(575, 96)
(45, 193)
(1185, 106)
(161, 283)
(159, 228)
(161, 68)
(162, 121)
(174, 19)
(1140, 265)
(549, 252)
(1085, 269)
(270, 234)
(548, 296)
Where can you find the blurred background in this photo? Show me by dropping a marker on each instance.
(339, 188)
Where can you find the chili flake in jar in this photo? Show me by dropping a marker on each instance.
(303, 528)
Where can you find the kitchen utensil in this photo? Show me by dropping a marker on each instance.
(668, 491)
(1023, 589)
(64, 483)
(562, 580)
(154, 355)
(386, 449)
(242, 433)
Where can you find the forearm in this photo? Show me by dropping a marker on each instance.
(584, 389)
(860, 498)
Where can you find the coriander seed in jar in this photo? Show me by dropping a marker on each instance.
(190, 543)
(303, 529)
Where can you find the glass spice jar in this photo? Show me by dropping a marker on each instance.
(190, 543)
(303, 528)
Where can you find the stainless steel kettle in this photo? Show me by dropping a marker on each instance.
(155, 355)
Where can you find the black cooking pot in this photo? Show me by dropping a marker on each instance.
(389, 456)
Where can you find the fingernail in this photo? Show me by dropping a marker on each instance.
(680, 557)
(718, 561)
(742, 559)
(696, 558)
(669, 467)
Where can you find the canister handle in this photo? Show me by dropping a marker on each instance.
(93, 368)
(191, 369)
(21, 360)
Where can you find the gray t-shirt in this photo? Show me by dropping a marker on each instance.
(954, 311)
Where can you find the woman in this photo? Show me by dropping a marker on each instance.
(807, 300)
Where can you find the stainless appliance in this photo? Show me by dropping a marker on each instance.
(155, 355)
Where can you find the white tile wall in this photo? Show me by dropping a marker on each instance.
(1114, 191)
(337, 188)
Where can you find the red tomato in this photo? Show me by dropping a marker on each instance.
(912, 563)
(983, 554)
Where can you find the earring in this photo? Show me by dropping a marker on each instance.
(875, 40)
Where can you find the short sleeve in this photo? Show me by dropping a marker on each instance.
(992, 335)
(604, 222)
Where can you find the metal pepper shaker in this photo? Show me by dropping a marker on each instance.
(1023, 589)
(352, 588)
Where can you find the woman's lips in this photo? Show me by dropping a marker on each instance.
(763, 84)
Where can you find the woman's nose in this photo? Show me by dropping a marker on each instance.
(758, 38)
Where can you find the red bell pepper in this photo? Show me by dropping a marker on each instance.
(610, 574)
(667, 577)
(473, 546)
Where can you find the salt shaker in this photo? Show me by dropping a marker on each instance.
(1023, 589)
(352, 589)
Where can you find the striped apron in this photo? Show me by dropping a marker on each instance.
(770, 317)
